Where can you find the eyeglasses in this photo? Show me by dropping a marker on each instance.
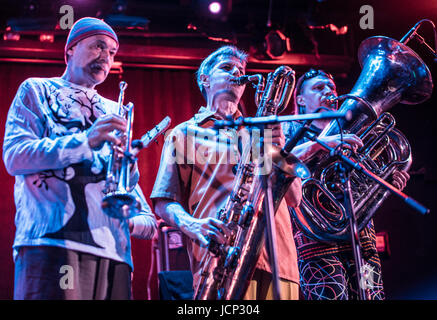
(312, 73)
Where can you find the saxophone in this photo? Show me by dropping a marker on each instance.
(229, 267)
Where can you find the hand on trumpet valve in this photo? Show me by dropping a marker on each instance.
(102, 131)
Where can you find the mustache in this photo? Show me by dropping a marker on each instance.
(99, 64)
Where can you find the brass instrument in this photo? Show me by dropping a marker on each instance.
(229, 267)
(392, 73)
(118, 201)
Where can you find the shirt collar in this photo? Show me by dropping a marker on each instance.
(204, 114)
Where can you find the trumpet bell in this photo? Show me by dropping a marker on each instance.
(121, 205)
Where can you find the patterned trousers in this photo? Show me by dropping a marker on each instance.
(334, 278)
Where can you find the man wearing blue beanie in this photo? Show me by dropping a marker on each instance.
(57, 145)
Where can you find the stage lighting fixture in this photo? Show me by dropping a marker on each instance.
(120, 6)
(214, 9)
(30, 6)
(276, 44)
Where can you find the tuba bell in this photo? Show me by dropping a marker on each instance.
(391, 73)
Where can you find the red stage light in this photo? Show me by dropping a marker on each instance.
(46, 37)
(11, 36)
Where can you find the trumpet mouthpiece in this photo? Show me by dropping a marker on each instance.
(331, 101)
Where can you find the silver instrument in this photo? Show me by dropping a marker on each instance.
(391, 73)
(118, 201)
(229, 267)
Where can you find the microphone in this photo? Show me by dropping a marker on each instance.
(241, 81)
(410, 34)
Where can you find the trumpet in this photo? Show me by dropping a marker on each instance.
(118, 202)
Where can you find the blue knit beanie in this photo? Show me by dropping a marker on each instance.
(87, 27)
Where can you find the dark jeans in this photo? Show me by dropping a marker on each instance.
(52, 273)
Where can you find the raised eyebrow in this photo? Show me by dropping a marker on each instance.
(229, 63)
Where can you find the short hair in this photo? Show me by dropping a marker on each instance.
(212, 59)
(312, 73)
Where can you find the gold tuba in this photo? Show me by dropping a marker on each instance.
(229, 267)
(392, 73)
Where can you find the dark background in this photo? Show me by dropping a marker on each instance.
(159, 59)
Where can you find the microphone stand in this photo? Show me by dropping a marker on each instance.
(269, 214)
(268, 201)
(274, 119)
(344, 174)
(344, 168)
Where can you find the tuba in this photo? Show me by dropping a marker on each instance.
(229, 267)
(391, 73)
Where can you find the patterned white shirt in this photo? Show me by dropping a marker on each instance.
(58, 178)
